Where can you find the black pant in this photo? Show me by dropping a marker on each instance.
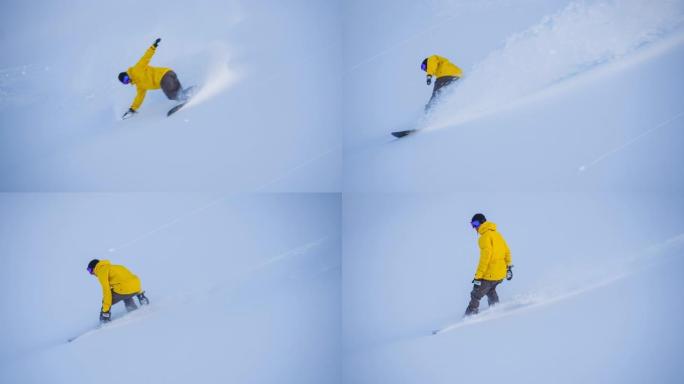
(486, 288)
(440, 83)
(171, 86)
(127, 299)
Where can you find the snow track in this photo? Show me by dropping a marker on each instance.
(581, 37)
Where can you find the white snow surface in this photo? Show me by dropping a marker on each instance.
(242, 288)
(594, 296)
(566, 130)
(586, 96)
(266, 119)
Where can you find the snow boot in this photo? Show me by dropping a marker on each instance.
(186, 94)
(130, 304)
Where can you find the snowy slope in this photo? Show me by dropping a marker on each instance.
(566, 131)
(242, 288)
(588, 97)
(267, 118)
(593, 299)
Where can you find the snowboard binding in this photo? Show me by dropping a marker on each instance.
(143, 299)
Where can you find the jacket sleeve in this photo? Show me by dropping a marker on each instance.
(106, 292)
(139, 97)
(507, 254)
(145, 59)
(432, 63)
(485, 256)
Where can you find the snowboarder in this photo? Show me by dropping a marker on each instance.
(445, 72)
(118, 283)
(146, 77)
(494, 265)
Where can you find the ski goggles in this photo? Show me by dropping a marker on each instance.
(423, 66)
(126, 79)
(475, 223)
(90, 270)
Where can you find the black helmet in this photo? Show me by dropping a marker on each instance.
(124, 78)
(92, 264)
(477, 220)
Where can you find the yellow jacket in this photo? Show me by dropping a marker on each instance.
(439, 66)
(115, 278)
(145, 77)
(495, 256)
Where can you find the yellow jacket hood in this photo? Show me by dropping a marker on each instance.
(486, 227)
(101, 266)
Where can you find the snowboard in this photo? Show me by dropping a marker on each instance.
(488, 314)
(86, 333)
(189, 92)
(117, 322)
(142, 312)
(400, 134)
(176, 108)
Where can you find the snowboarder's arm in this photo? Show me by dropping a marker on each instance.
(485, 256)
(145, 60)
(507, 254)
(106, 292)
(139, 97)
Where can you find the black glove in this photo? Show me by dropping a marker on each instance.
(509, 272)
(105, 317)
(156, 43)
(128, 113)
(429, 80)
(477, 282)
